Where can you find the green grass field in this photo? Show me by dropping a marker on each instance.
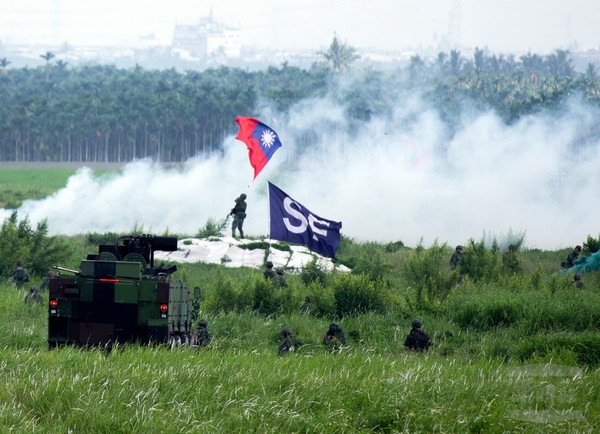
(517, 354)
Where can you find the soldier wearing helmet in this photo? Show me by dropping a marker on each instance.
(239, 214)
(288, 342)
(417, 339)
(203, 337)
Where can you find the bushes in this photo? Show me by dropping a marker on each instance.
(18, 240)
(489, 307)
(358, 294)
(371, 261)
(480, 263)
(346, 294)
(428, 272)
(584, 348)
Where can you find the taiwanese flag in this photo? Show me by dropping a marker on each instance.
(261, 140)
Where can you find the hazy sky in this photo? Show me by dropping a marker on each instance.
(508, 25)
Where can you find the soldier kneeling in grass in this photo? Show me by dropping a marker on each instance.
(334, 337)
(288, 342)
(417, 339)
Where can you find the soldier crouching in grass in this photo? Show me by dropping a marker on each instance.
(334, 337)
(417, 339)
(288, 342)
(203, 337)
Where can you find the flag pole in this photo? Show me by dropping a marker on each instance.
(269, 218)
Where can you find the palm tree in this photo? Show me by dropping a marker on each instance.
(4, 62)
(47, 57)
(339, 54)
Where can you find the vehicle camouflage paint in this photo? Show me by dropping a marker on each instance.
(119, 296)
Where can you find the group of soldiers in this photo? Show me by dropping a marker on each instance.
(417, 340)
(20, 278)
(509, 259)
(569, 262)
(334, 338)
(275, 275)
(511, 263)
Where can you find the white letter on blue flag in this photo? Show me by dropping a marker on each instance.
(292, 222)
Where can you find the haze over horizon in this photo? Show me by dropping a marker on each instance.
(508, 26)
(406, 177)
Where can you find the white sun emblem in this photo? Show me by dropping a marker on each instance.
(268, 138)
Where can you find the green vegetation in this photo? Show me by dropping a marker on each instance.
(513, 352)
(467, 383)
(100, 113)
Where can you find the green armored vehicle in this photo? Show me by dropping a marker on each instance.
(119, 296)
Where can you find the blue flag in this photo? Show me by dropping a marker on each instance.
(292, 222)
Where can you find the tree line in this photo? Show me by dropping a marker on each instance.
(100, 113)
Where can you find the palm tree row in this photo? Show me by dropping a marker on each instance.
(99, 113)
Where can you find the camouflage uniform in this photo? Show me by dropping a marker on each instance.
(269, 273)
(334, 337)
(572, 257)
(417, 339)
(20, 275)
(203, 337)
(288, 343)
(456, 257)
(281, 282)
(305, 309)
(510, 261)
(239, 214)
(577, 282)
(33, 296)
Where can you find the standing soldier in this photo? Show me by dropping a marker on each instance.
(20, 275)
(46, 281)
(305, 309)
(510, 261)
(456, 257)
(239, 214)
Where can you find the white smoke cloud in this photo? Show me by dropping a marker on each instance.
(404, 177)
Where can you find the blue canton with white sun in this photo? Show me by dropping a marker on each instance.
(268, 138)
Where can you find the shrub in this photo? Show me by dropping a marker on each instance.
(38, 251)
(212, 228)
(264, 300)
(585, 347)
(480, 263)
(591, 245)
(313, 272)
(323, 300)
(226, 296)
(371, 262)
(427, 271)
(355, 294)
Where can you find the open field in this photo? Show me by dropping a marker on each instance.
(241, 385)
(512, 352)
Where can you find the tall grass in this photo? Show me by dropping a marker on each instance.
(239, 384)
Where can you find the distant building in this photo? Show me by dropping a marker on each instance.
(206, 40)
